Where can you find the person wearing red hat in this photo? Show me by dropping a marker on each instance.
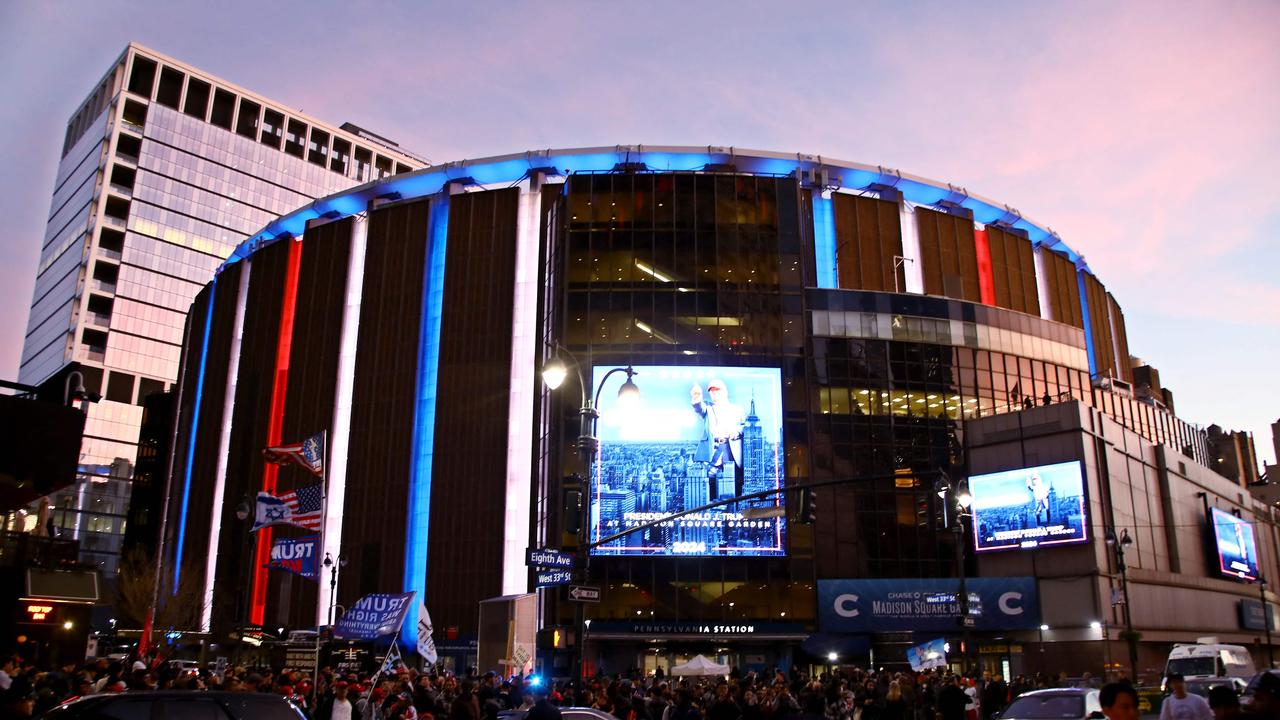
(336, 706)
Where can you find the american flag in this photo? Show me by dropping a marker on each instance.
(309, 454)
(306, 505)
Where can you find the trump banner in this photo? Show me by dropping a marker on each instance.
(297, 555)
(374, 616)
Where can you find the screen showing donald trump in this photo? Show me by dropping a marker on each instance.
(1033, 507)
(693, 437)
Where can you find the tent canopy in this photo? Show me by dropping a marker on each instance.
(700, 665)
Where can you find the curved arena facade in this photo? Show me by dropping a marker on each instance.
(870, 325)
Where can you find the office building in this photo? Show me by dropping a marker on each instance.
(164, 169)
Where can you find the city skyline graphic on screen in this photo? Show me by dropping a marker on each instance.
(696, 435)
(1029, 507)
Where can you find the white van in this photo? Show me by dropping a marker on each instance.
(1202, 661)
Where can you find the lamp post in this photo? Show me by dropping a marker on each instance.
(1120, 545)
(333, 582)
(554, 372)
(957, 499)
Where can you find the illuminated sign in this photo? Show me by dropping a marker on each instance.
(40, 613)
(696, 435)
(1233, 539)
(1028, 508)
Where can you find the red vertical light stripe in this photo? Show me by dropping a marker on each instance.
(986, 282)
(262, 553)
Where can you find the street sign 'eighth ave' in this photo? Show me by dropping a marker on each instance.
(549, 559)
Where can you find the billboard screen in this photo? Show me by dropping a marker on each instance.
(696, 435)
(1236, 551)
(1029, 508)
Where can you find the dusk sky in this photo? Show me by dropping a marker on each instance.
(1146, 134)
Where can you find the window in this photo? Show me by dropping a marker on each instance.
(341, 152)
(247, 122)
(224, 108)
(197, 102)
(318, 150)
(135, 113)
(148, 387)
(122, 177)
(272, 128)
(364, 158)
(402, 168)
(170, 91)
(383, 167)
(128, 146)
(120, 387)
(294, 139)
(143, 76)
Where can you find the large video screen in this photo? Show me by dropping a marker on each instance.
(1029, 508)
(1237, 552)
(695, 435)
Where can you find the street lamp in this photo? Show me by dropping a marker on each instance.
(333, 581)
(1120, 544)
(554, 372)
(957, 499)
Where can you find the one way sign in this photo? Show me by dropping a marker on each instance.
(584, 593)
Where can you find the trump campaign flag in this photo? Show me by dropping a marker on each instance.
(303, 507)
(426, 646)
(374, 616)
(297, 555)
(309, 454)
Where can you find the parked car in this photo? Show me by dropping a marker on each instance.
(569, 713)
(184, 705)
(1054, 704)
(1246, 697)
(1202, 687)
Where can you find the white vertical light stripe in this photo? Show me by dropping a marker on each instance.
(224, 449)
(913, 273)
(515, 576)
(1042, 282)
(340, 435)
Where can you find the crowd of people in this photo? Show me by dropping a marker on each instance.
(407, 694)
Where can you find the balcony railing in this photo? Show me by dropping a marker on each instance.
(19, 549)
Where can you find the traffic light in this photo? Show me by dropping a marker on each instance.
(924, 515)
(808, 507)
(553, 638)
(572, 505)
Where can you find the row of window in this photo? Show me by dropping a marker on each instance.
(197, 98)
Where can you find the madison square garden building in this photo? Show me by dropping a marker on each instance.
(789, 319)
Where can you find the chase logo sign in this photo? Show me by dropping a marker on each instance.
(844, 606)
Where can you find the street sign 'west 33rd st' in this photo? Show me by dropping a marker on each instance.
(546, 558)
(547, 578)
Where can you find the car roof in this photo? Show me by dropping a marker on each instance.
(1058, 691)
(167, 694)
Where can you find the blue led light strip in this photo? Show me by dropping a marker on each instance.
(424, 426)
(191, 439)
(824, 239)
(507, 169)
(1088, 324)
